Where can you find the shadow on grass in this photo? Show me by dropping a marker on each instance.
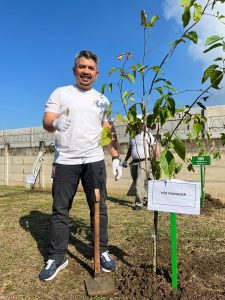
(80, 228)
(119, 201)
(37, 224)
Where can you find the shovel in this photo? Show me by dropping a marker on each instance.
(98, 285)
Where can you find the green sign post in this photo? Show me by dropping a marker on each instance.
(202, 161)
(173, 239)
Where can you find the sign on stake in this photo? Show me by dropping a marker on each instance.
(202, 161)
(174, 196)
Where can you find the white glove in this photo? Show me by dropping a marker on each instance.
(124, 164)
(62, 123)
(117, 168)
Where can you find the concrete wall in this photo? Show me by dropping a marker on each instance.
(19, 162)
(19, 149)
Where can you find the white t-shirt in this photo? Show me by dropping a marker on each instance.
(137, 145)
(80, 143)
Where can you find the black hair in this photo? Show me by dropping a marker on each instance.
(87, 54)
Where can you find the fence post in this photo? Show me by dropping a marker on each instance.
(41, 174)
(6, 164)
(31, 137)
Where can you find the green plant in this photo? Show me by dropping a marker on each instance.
(158, 91)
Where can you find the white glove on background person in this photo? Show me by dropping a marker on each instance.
(62, 123)
(117, 169)
(124, 164)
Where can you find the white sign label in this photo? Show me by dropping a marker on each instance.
(174, 195)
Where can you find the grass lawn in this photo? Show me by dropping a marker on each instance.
(24, 230)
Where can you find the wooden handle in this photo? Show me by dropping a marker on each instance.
(97, 234)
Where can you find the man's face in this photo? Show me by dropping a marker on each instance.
(86, 72)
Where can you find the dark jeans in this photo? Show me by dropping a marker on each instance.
(65, 183)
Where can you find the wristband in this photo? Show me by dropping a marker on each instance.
(115, 157)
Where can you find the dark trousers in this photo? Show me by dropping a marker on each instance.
(65, 183)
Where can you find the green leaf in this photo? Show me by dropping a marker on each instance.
(106, 137)
(112, 70)
(168, 82)
(160, 79)
(184, 3)
(142, 68)
(216, 154)
(197, 12)
(109, 109)
(178, 168)
(216, 78)
(170, 88)
(201, 105)
(168, 163)
(130, 77)
(212, 39)
(192, 35)
(205, 98)
(171, 105)
(154, 19)
(132, 114)
(186, 16)
(213, 46)
(156, 108)
(190, 168)
(177, 42)
(218, 59)
(110, 87)
(151, 23)
(208, 72)
(164, 115)
(156, 69)
(156, 170)
(160, 90)
(125, 94)
(179, 147)
(223, 138)
(197, 128)
(103, 88)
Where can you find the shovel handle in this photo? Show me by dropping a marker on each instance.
(97, 234)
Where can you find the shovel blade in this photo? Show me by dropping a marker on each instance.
(100, 286)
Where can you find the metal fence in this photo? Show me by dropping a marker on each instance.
(31, 137)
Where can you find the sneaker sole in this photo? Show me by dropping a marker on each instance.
(107, 271)
(57, 271)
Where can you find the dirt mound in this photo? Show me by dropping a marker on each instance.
(139, 282)
(212, 203)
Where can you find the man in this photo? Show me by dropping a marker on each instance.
(77, 114)
(137, 165)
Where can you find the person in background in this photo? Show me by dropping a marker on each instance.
(137, 165)
(77, 115)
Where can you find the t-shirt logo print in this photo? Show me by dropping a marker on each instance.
(101, 103)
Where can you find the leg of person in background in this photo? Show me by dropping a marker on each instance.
(134, 172)
(141, 188)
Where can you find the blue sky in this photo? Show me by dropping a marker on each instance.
(39, 39)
